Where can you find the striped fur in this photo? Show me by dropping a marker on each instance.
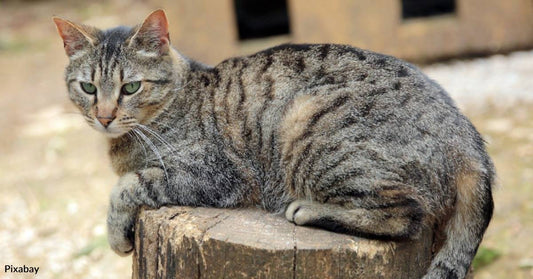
(336, 137)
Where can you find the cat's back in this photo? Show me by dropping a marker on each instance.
(310, 66)
(287, 102)
(300, 90)
(288, 71)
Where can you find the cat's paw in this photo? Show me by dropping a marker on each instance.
(121, 244)
(120, 231)
(301, 212)
(120, 223)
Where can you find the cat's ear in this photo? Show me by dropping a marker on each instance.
(152, 36)
(76, 38)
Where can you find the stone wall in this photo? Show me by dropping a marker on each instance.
(207, 30)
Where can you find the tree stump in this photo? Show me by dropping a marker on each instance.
(185, 242)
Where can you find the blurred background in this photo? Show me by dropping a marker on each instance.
(55, 176)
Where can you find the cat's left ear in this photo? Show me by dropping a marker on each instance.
(152, 36)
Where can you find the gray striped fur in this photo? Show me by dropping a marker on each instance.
(333, 136)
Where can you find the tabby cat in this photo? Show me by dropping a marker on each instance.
(334, 136)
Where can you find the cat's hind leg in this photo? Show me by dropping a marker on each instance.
(391, 212)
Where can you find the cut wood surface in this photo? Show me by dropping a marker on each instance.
(184, 242)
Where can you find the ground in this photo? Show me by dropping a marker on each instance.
(55, 176)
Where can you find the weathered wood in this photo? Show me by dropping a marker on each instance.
(184, 242)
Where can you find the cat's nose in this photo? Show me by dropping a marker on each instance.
(105, 121)
(106, 114)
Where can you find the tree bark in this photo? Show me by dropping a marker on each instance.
(184, 242)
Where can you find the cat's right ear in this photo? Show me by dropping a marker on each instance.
(76, 38)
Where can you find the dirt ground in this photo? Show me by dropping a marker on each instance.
(55, 176)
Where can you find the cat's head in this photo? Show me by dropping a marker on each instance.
(124, 76)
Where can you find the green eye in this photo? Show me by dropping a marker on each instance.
(88, 87)
(130, 88)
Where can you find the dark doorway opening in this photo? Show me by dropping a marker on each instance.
(261, 18)
(427, 8)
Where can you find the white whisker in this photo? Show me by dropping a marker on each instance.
(138, 140)
(158, 137)
(154, 149)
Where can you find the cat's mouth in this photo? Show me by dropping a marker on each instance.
(113, 133)
(111, 130)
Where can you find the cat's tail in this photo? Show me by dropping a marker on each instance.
(467, 224)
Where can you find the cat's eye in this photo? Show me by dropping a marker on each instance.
(88, 87)
(131, 87)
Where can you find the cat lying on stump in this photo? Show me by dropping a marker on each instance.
(334, 136)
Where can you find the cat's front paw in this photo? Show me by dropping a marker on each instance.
(120, 232)
(120, 222)
(123, 246)
(301, 212)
